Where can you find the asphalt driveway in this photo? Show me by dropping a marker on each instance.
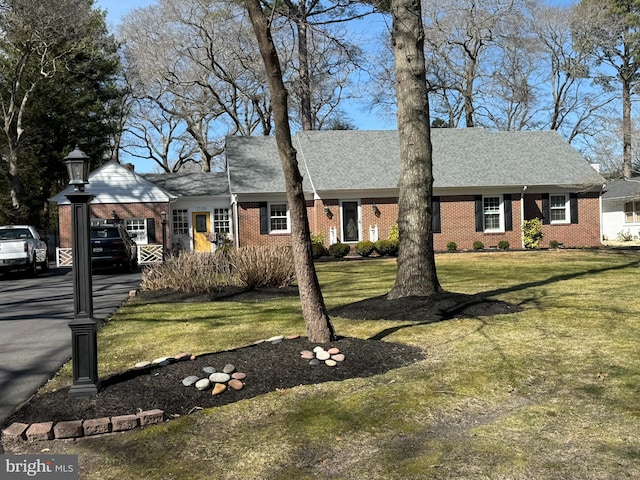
(35, 339)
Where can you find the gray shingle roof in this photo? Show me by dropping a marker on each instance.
(192, 184)
(622, 190)
(360, 159)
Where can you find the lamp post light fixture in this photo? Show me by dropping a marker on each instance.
(84, 345)
(163, 215)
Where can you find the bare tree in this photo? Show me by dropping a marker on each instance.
(314, 311)
(608, 29)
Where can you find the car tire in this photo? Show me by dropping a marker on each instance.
(45, 266)
(33, 268)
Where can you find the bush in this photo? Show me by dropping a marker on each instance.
(625, 236)
(478, 245)
(262, 267)
(189, 272)
(532, 233)
(317, 246)
(452, 246)
(503, 245)
(387, 247)
(365, 248)
(394, 233)
(339, 250)
(553, 244)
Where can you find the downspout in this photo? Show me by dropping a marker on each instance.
(234, 216)
(524, 188)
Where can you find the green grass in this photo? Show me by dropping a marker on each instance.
(550, 392)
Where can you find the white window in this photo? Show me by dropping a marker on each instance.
(180, 222)
(278, 218)
(632, 212)
(559, 208)
(137, 228)
(493, 214)
(221, 220)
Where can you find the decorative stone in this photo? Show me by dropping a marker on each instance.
(151, 417)
(318, 349)
(193, 357)
(133, 293)
(218, 388)
(339, 357)
(293, 337)
(307, 355)
(219, 377)
(209, 370)
(275, 342)
(40, 431)
(71, 429)
(190, 380)
(182, 356)
(333, 350)
(228, 368)
(314, 362)
(238, 376)
(276, 338)
(142, 364)
(96, 426)
(323, 355)
(236, 384)
(203, 384)
(15, 431)
(330, 363)
(124, 422)
(258, 342)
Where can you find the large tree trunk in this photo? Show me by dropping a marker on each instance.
(416, 274)
(314, 311)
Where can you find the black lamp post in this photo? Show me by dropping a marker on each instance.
(163, 214)
(84, 345)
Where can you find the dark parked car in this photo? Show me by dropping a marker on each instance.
(113, 247)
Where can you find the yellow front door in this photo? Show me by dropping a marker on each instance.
(200, 222)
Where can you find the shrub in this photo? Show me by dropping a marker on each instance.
(339, 250)
(452, 246)
(189, 272)
(262, 267)
(532, 233)
(478, 245)
(365, 248)
(317, 246)
(553, 244)
(387, 247)
(503, 245)
(625, 236)
(394, 233)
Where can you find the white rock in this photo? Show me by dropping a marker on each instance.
(323, 355)
(203, 384)
(276, 338)
(219, 377)
(331, 363)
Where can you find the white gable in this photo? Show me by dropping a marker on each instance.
(114, 183)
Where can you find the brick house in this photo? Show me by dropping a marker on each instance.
(485, 184)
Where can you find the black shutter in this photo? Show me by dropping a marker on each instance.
(264, 218)
(436, 225)
(546, 211)
(508, 221)
(479, 213)
(573, 207)
(151, 230)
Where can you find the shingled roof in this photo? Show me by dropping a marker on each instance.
(622, 190)
(191, 184)
(360, 159)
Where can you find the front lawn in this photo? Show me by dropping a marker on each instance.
(551, 391)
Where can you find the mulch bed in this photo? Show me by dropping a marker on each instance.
(268, 366)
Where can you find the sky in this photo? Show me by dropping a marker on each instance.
(363, 118)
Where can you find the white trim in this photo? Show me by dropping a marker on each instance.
(287, 217)
(358, 203)
(567, 209)
(500, 212)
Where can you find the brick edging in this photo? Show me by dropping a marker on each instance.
(23, 432)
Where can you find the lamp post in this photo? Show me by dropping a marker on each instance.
(84, 345)
(163, 214)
